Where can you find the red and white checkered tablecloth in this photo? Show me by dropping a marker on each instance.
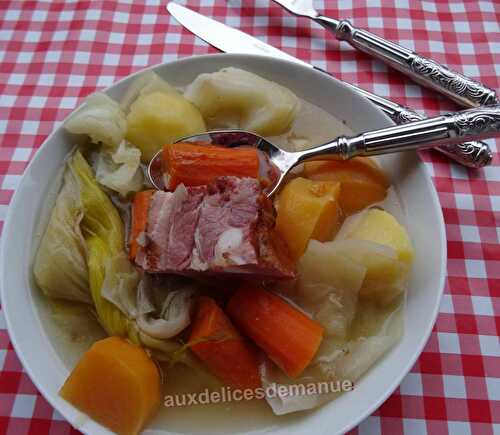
(53, 53)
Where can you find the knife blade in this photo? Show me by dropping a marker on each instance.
(223, 37)
(230, 40)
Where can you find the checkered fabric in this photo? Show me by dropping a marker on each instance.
(53, 53)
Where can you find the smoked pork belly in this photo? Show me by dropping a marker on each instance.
(224, 227)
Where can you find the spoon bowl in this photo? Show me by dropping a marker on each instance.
(274, 162)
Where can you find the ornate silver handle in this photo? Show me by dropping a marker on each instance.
(453, 128)
(475, 154)
(447, 129)
(461, 89)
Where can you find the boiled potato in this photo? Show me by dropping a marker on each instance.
(158, 118)
(307, 210)
(375, 239)
(381, 227)
(233, 98)
(363, 182)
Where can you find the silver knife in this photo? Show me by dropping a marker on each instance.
(471, 154)
(456, 86)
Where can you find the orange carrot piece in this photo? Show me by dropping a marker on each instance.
(196, 165)
(287, 336)
(216, 342)
(140, 208)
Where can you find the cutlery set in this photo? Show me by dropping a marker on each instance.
(444, 132)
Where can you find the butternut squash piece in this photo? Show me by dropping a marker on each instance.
(307, 210)
(362, 181)
(116, 384)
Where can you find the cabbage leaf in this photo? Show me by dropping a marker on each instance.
(234, 98)
(101, 119)
(60, 266)
(120, 170)
(110, 317)
(100, 217)
(328, 286)
(171, 317)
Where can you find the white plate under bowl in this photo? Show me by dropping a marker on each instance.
(42, 359)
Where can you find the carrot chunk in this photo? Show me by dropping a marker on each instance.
(216, 342)
(287, 336)
(196, 165)
(116, 384)
(140, 208)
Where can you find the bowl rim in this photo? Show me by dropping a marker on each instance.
(58, 125)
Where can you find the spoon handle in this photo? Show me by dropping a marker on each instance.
(473, 154)
(471, 124)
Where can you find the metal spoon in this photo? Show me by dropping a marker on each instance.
(472, 124)
(470, 154)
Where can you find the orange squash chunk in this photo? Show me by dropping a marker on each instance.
(307, 210)
(362, 181)
(117, 384)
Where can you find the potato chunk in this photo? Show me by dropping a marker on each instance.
(158, 118)
(307, 210)
(362, 181)
(116, 384)
(377, 240)
(381, 227)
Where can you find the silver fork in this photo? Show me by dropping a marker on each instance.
(461, 89)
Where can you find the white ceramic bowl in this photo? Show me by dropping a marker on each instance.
(41, 357)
